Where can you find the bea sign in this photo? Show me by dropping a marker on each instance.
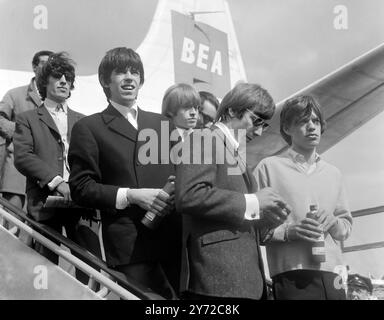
(200, 55)
(189, 54)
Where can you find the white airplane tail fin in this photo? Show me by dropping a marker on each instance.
(193, 42)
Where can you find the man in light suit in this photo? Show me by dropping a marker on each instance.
(41, 144)
(221, 211)
(108, 174)
(15, 101)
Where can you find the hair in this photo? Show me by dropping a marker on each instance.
(179, 96)
(246, 96)
(58, 64)
(36, 57)
(296, 109)
(207, 96)
(120, 60)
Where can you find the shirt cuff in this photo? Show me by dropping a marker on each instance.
(121, 198)
(252, 210)
(52, 185)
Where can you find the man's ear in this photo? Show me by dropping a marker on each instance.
(105, 85)
(287, 129)
(34, 68)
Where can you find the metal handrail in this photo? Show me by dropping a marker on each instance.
(367, 246)
(39, 232)
(105, 281)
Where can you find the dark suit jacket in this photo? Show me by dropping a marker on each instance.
(221, 255)
(39, 154)
(104, 156)
(15, 101)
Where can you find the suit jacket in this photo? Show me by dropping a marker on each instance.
(39, 155)
(105, 154)
(15, 101)
(221, 254)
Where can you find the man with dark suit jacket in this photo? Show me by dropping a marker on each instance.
(221, 211)
(108, 174)
(41, 144)
(15, 101)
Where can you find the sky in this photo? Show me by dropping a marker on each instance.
(286, 45)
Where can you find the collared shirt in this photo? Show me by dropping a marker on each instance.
(129, 113)
(252, 209)
(59, 113)
(306, 166)
(184, 132)
(35, 87)
(228, 134)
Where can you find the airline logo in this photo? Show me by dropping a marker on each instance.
(200, 55)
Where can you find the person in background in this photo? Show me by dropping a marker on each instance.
(208, 109)
(216, 196)
(15, 101)
(180, 104)
(41, 144)
(303, 179)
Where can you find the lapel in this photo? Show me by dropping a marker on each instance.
(239, 159)
(72, 118)
(45, 117)
(144, 119)
(32, 93)
(115, 121)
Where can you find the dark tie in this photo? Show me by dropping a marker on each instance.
(59, 108)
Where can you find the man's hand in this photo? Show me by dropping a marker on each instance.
(307, 229)
(273, 209)
(154, 200)
(326, 221)
(169, 200)
(63, 189)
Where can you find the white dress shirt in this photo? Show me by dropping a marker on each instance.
(131, 115)
(59, 114)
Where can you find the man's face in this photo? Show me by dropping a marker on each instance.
(58, 89)
(186, 118)
(244, 123)
(259, 125)
(124, 87)
(306, 133)
(207, 114)
(42, 61)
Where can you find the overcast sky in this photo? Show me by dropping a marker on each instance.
(286, 45)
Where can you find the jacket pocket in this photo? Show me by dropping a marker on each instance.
(218, 236)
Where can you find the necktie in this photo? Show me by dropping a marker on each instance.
(59, 108)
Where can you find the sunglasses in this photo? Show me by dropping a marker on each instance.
(257, 121)
(57, 75)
